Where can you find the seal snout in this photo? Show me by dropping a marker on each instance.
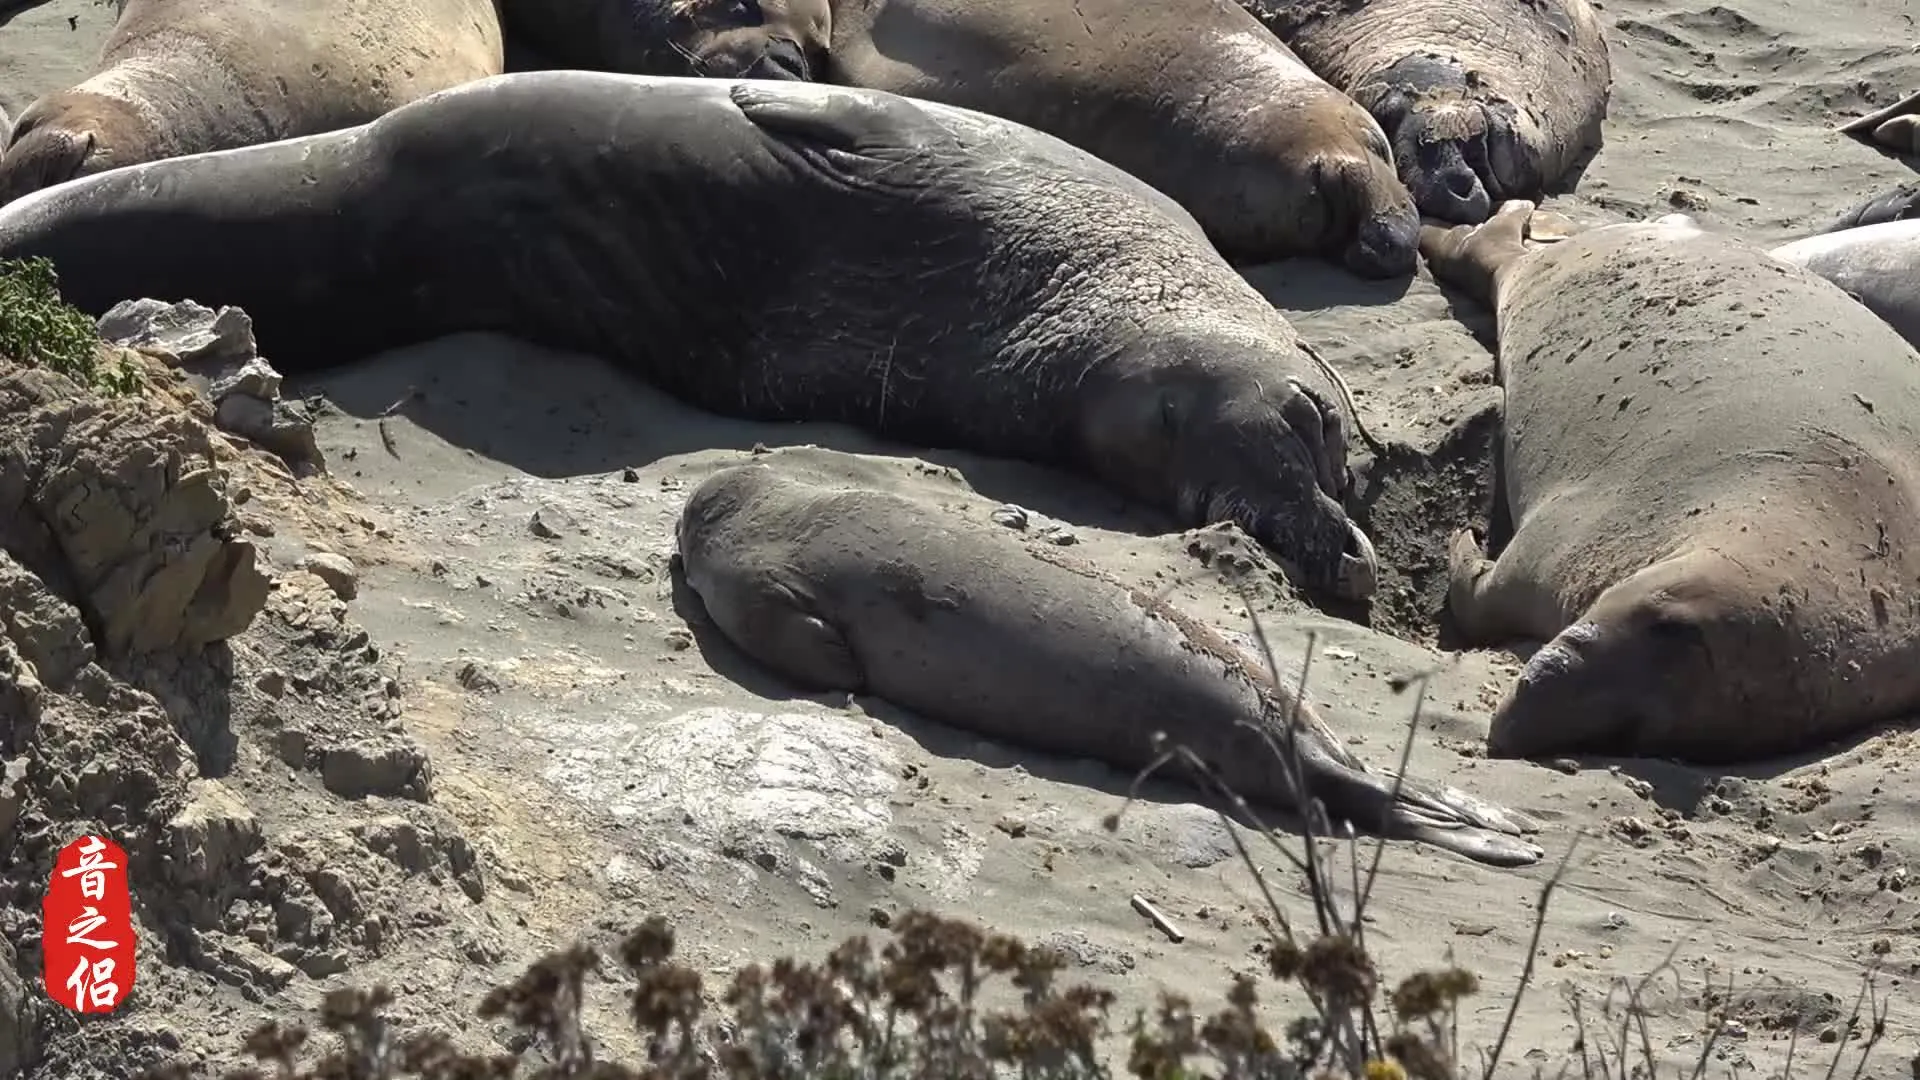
(1386, 246)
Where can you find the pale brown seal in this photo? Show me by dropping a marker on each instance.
(1483, 100)
(875, 593)
(183, 76)
(1192, 96)
(1710, 465)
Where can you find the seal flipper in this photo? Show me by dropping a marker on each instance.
(870, 124)
(1443, 817)
(777, 624)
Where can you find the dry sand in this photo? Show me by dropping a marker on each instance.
(610, 756)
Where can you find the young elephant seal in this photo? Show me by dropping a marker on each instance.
(745, 245)
(873, 593)
(1710, 465)
(1484, 100)
(179, 77)
(721, 39)
(1874, 264)
(1191, 96)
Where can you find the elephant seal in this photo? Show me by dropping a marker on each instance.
(1873, 263)
(1900, 204)
(1484, 100)
(1192, 96)
(722, 39)
(1895, 127)
(1709, 460)
(873, 593)
(767, 250)
(179, 77)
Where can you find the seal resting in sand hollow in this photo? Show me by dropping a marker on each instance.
(750, 246)
(1875, 264)
(1192, 96)
(873, 593)
(1483, 100)
(721, 39)
(179, 77)
(1709, 461)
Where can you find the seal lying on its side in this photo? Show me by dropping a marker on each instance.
(1710, 462)
(872, 593)
(1901, 203)
(1192, 96)
(179, 77)
(1875, 264)
(767, 250)
(721, 39)
(1484, 100)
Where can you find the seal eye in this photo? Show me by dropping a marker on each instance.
(747, 11)
(1169, 415)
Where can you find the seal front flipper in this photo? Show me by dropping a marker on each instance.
(869, 124)
(776, 623)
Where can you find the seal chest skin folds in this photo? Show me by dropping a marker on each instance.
(874, 593)
(1710, 463)
(744, 245)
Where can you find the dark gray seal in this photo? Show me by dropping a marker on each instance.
(1484, 100)
(874, 593)
(1711, 460)
(180, 77)
(722, 39)
(768, 250)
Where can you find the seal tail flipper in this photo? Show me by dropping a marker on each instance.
(1894, 127)
(1444, 817)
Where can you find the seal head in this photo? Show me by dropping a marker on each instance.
(1199, 427)
(1459, 156)
(66, 135)
(718, 39)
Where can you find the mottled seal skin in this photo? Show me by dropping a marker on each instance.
(1483, 100)
(1709, 461)
(873, 593)
(1875, 264)
(744, 244)
(178, 77)
(722, 39)
(1192, 96)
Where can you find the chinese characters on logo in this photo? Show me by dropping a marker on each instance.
(87, 934)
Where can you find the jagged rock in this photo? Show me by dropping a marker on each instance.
(13, 798)
(376, 767)
(19, 1034)
(210, 840)
(281, 428)
(337, 571)
(191, 332)
(20, 693)
(254, 378)
(122, 500)
(45, 629)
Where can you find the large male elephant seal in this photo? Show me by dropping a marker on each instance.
(1191, 96)
(1484, 100)
(1710, 462)
(1875, 264)
(771, 250)
(183, 76)
(721, 39)
(874, 593)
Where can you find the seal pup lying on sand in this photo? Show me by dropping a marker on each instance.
(746, 246)
(1484, 100)
(1875, 264)
(873, 593)
(1710, 460)
(1192, 96)
(722, 39)
(179, 77)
